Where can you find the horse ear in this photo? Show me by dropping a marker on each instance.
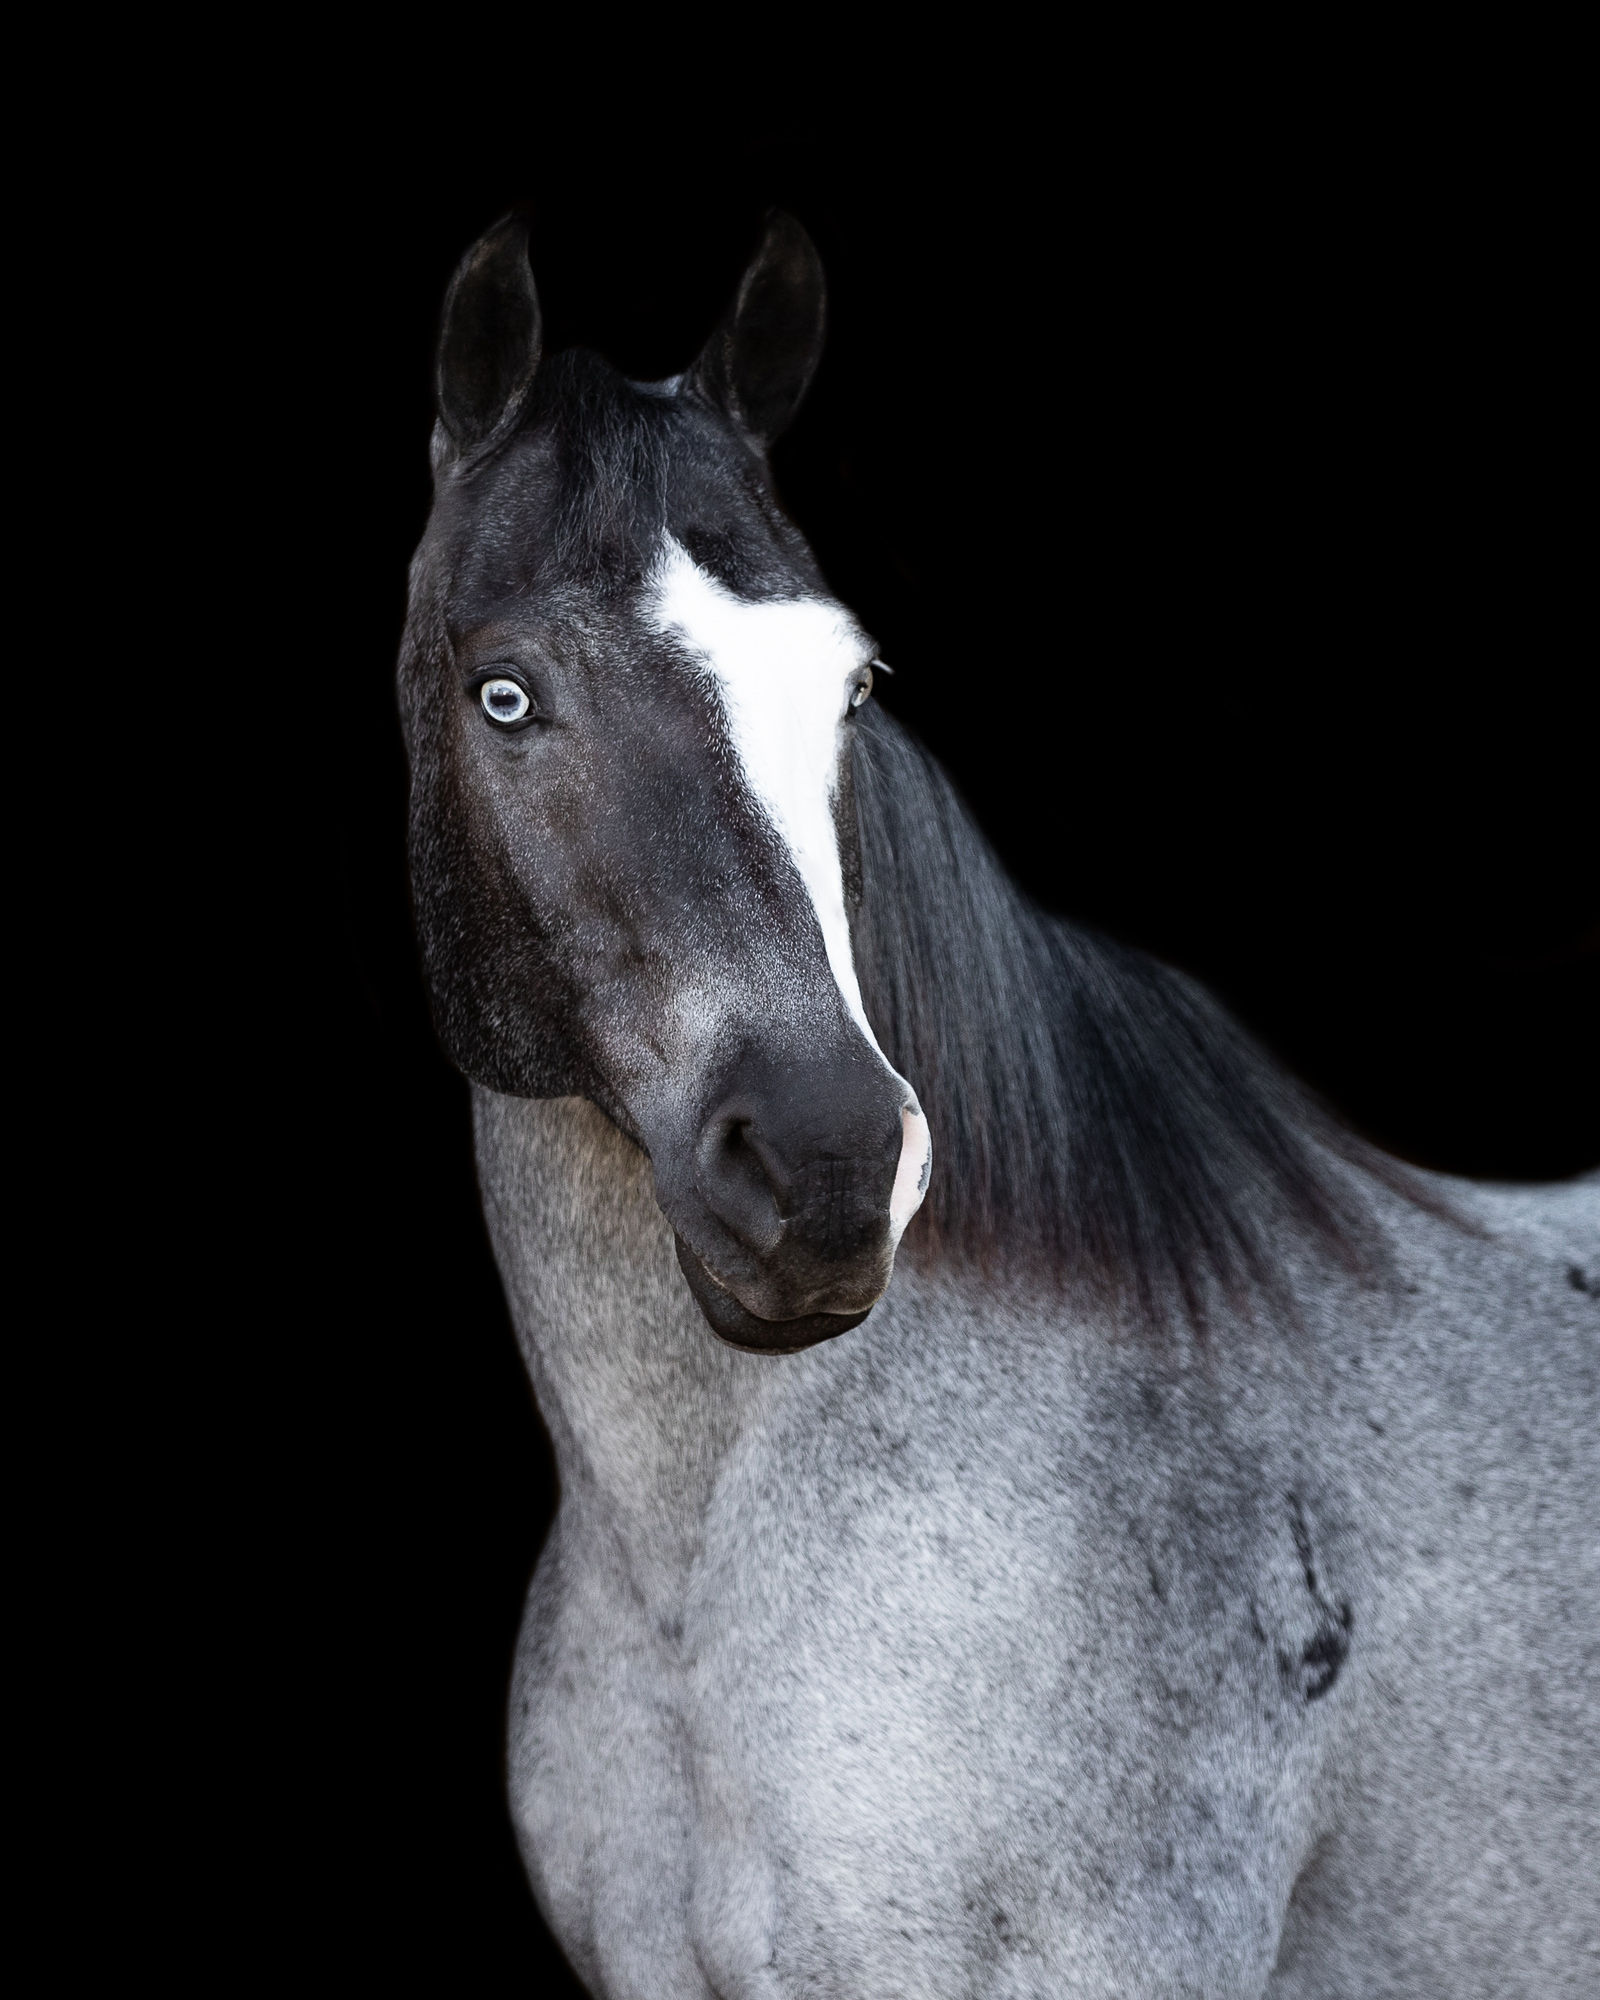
(489, 342)
(759, 363)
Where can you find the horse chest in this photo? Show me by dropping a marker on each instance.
(840, 1747)
(909, 1700)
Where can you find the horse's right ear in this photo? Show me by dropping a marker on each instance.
(760, 361)
(489, 342)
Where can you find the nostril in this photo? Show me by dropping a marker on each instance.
(773, 1168)
(741, 1180)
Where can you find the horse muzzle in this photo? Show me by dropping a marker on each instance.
(792, 1200)
(739, 1327)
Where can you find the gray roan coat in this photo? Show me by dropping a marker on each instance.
(1181, 1578)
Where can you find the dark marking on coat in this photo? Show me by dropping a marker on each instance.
(1323, 1655)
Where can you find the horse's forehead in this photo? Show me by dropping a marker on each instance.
(586, 501)
(786, 636)
(759, 625)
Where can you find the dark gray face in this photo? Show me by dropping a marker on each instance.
(628, 703)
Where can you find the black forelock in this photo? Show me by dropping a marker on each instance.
(600, 470)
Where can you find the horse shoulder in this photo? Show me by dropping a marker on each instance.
(1467, 1802)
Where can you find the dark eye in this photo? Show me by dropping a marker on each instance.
(505, 702)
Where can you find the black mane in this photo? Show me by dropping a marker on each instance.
(1095, 1115)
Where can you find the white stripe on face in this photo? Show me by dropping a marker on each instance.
(785, 672)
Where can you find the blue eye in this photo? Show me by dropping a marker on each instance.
(504, 702)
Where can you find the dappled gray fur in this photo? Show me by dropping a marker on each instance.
(982, 1652)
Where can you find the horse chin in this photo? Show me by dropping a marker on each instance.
(741, 1328)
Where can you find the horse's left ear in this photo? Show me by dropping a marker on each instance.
(759, 363)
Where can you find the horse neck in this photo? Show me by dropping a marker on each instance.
(642, 1402)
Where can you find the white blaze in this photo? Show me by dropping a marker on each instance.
(785, 672)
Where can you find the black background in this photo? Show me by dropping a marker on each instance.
(1220, 520)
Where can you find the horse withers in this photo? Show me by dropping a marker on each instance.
(1043, 1511)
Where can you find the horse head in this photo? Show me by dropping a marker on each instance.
(628, 700)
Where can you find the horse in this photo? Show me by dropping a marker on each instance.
(1044, 1509)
